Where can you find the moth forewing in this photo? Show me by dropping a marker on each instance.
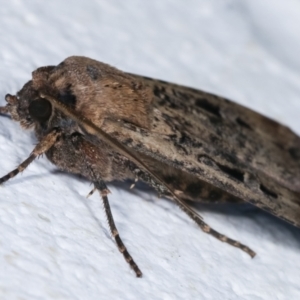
(94, 120)
(228, 146)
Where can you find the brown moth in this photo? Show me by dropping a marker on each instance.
(189, 145)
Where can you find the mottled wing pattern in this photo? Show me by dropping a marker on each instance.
(224, 144)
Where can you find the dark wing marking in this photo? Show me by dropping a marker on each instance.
(225, 144)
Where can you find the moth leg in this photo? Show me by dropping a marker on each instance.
(91, 192)
(44, 145)
(3, 110)
(92, 130)
(103, 190)
(207, 229)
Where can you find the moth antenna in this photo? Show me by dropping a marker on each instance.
(44, 145)
(104, 191)
(207, 229)
(94, 130)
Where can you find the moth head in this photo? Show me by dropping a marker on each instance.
(27, 107)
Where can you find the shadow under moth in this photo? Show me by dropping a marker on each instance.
(94, 120)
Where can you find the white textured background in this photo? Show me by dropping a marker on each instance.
(54, 244)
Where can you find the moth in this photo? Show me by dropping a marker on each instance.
(94, 120)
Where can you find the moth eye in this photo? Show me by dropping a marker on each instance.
(40, 110)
